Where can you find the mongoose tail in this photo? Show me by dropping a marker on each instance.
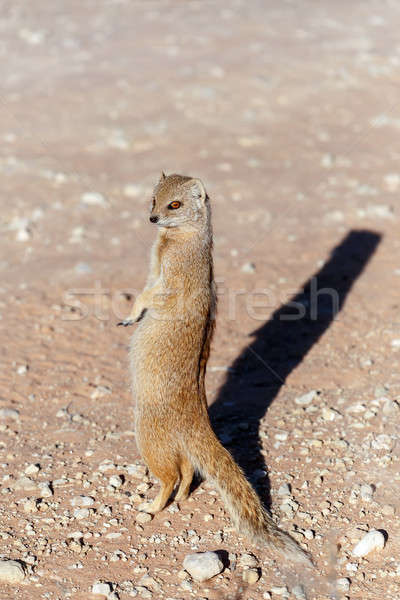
(212, 460)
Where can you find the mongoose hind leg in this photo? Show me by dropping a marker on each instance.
(187, 472)
(168, 474)
(161, 499)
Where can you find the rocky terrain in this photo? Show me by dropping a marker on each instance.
(289, 113)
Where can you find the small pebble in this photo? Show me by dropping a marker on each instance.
(279, 590)
(116, 481)
(9, 413)
(102, 589)
(299, 593)
(93, 199)
(284, 490)
(374, 540)
(143, 517)
(248, 560)
(251, 576)
(25, 483)
(45, 490)
(30, 505)
(388, 510)
(366, 492)
(138, 471)
(23, 235)
(81, 513)
(82, 501)
(343, 584)
(32, 469)
(248, 267)
(306, 398)
(11, 571)
(203, 565)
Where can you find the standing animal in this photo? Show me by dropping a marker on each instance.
(169, 352)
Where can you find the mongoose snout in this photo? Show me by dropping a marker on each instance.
(154, 219)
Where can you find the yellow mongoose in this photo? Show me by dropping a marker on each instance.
(169, 352)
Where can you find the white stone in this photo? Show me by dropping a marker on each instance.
(374, 540)
(107, 465)
(114, 535)
(30, 505)
(306, 398)
(299, 593)
(93, 199)
(279, 590)
(9, 413)
(25, 483)
(23, 235)
(103, 589)
(45, 489)
(382, 442)
(32, 469)
(143, 517)
(343, 584)
(248, 267)
(81, 513)
(248, 560)
(116, 481)
(390, 407)
(309, 534)
(330, 414)
(250, 576)
(82, 501)
(392, 181)
(381, 211)
(100, 391)
(138, 471)
(284, 490)
(11, 571)
(203, 565)
(366, 492)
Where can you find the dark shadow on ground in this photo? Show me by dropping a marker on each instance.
(279, 346)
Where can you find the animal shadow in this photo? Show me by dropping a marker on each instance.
(278, 347)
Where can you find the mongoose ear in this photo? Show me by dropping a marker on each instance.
(198, 191)
(162, 177)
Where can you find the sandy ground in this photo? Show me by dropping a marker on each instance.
(289, 113)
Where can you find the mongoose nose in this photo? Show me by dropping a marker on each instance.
(153, 219)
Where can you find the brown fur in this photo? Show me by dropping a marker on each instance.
(169, 353)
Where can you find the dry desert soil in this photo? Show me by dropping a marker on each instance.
(289, 112)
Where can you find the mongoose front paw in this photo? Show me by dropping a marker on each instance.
(126, 322)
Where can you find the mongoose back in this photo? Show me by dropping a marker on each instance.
(169, 352)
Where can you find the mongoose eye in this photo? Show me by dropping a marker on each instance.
(173, 205)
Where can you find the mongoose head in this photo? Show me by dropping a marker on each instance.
(179, 201)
